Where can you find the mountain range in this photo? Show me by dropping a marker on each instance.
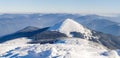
(10, 23)
(64, 29)
(65, 39)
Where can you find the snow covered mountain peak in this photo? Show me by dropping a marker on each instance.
(68, 26)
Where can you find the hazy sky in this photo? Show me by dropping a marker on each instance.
(64, 6)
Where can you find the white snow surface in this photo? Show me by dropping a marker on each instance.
(22, 40)
(11, 44)
(69, 25)
(65, 48)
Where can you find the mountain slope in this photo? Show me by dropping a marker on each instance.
(67, 48)
(68, 26)
(73, 29)
(29, 29)
(109, 27)
(25, 32)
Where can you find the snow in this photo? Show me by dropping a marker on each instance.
(70, 48)
(70, 25)
(12, 44)
(113, 54)
(22, 40)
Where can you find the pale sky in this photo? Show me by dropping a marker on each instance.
(60, 6)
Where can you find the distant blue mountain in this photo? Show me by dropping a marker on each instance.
(25, 32)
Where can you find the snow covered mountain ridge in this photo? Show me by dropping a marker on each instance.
(68, 26)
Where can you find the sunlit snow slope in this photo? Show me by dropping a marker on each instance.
(66, 48)
(69, 26)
